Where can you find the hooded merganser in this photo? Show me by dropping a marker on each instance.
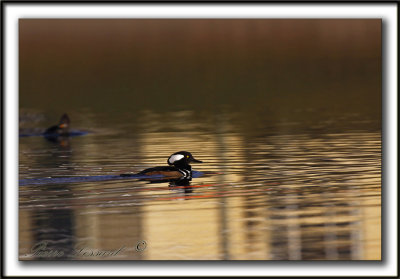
(178, 166)
(62, 129)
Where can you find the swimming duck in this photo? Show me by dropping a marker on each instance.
(62, 129)
(179, 166)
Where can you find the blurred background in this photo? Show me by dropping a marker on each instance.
(263, 71)
(285, 114)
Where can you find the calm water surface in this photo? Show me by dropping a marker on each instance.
(274, 196)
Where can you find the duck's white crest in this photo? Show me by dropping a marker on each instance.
(175, 158)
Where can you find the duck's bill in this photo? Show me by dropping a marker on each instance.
(196, 161)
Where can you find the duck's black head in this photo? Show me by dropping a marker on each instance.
(64, 122)
(182, 160)
(61, 129)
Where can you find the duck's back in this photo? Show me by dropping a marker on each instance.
(169, 171)
(52, 130)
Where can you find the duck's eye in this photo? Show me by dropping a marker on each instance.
(187, 156)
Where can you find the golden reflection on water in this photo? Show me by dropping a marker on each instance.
(275, 197)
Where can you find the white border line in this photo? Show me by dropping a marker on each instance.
(13, 12)
(205, 11)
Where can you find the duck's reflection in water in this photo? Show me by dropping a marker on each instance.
(179, 185)
(61, 141)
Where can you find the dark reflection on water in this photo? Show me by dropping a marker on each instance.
(294, 196)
